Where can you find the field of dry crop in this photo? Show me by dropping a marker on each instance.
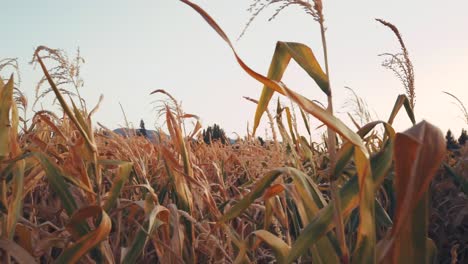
(72, 191)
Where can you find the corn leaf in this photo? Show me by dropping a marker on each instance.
(304, 56)
(184, 195)
(125, 168)
(6, 102)
(159, 215)
(274, 190)
(365, 250)
(15, 207)
(179, 142)
(58, 184)
(383, 219)
(90, 240)
(402, 100)
(263, 184)
(136, 248)
(306, 121)
(238, 243)
(279, 247)
(91, 146)
(309, 106)
(24, 237)
(418, 153)
(323, 221)
(17, 252)
(311, 199)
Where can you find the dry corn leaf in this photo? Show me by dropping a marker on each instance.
(419, 152)
(6, 102)
(16, 252)
(90, 240)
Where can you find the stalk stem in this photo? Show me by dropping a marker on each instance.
(338, 218)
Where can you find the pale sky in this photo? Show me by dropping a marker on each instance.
(134, 47)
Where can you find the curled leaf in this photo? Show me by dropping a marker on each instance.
(85, 243)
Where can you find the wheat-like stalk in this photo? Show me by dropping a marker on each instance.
(460, 105)
(311, 7)
(400, 64)
(65, 72)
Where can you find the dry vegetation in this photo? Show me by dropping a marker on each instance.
(73, 193)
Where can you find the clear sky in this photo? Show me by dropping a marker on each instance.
(133, 47)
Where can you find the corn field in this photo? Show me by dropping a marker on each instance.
(74, 192)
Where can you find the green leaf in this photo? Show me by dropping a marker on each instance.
(125, 168)
(344, 155)
(323, 221)
(402, 100)
(310, 197)
(306, 122)
(135, 249)
(158, 216)
(279, 247)
(290, 124)
(304, 56)
(383, 219)
(57, 183)
(15, 208)
(256, 192)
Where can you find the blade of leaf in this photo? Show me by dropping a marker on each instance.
(73, 253)
(6, 101)
(125, 168)
(306, 122)
(136, 248)
(58, 184)
(323, 222)
(15, 207)
(280, 248)
(402, 100)
(290, 124)
(418, 153)
(65, 106)
(256, 192)
(304, 56)
(16, 251)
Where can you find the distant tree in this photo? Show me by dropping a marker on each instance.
(206, 133)
(262, 142)
(463, 137)
(142, 130)
(214, 133)
(450, 140)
